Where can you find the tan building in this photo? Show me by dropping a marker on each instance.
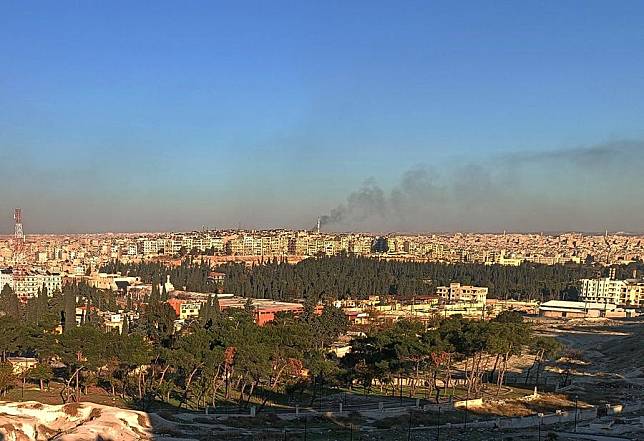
(456, 292)
(628, 292)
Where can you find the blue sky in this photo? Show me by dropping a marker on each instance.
(169, 115)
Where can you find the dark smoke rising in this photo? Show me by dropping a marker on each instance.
(417, 186)
(369, 200)
(586, 188)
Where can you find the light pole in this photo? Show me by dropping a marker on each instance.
(438, 425)
(540, 415)
(576, 398)
(466, 400)
(305, 428)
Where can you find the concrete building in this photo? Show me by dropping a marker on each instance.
(188, 304)
(628, 292)
(185, 309)
(566, 309)
(601, 290)
(111, 281)
(633, 293)
(456, 292)
(6, 278)
(30, 282)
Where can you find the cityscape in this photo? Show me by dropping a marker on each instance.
(308, 221)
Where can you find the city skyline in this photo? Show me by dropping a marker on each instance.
(376, 117)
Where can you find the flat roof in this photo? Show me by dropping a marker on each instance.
(565, 304)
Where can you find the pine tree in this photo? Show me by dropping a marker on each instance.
(69, 309)
(9, 302)
(164, 294)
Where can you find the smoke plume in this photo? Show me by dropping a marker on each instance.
(586, 188)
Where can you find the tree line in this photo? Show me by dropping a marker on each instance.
(219, 354)
(223, 355)
(427, 358)
(186, 276)
(346, 276)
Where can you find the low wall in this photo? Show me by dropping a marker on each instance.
(546, 420)
(474, 402)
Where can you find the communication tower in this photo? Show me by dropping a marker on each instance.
(18, 237)
(19, 270)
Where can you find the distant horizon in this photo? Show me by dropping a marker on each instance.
(382, 233)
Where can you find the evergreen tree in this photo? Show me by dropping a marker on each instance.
(9, 302)
(126, 326)
(69, 312)
(164, 294)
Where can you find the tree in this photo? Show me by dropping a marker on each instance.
(543, 348)
(9, 303)
(82, 348)
(7, 377)
(69, 298)
(41, 373)
(125, 330)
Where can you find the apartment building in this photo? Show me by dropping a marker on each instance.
(456, 292)
(628, 292)
(28, 284)
(6, 278)
(633, 293)
(153, 246)
(601, 290)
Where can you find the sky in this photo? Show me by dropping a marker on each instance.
(378, 116)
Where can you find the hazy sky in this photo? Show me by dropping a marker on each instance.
(424, 116)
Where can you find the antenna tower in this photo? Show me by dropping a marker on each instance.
(18, 237)
(19, 270)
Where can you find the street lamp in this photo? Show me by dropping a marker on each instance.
(438, 425)
(540, 415)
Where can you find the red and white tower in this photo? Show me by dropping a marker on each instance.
(18, 238)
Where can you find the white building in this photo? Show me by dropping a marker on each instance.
(6, 278)
(28, 285)
(607, 290)
(566, 309)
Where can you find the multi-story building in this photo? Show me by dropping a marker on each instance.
(28, 284)
(6, 278)
(628, 292)
(217, 244)
(456, 292)
(633, 293)
(601, 290)
(153, 246)
(52, 281)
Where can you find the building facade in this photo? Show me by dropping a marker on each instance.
(456, 292)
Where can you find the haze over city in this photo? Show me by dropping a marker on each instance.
(321, 220)
(414, 117)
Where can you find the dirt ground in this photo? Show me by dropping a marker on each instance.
(605, 359)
